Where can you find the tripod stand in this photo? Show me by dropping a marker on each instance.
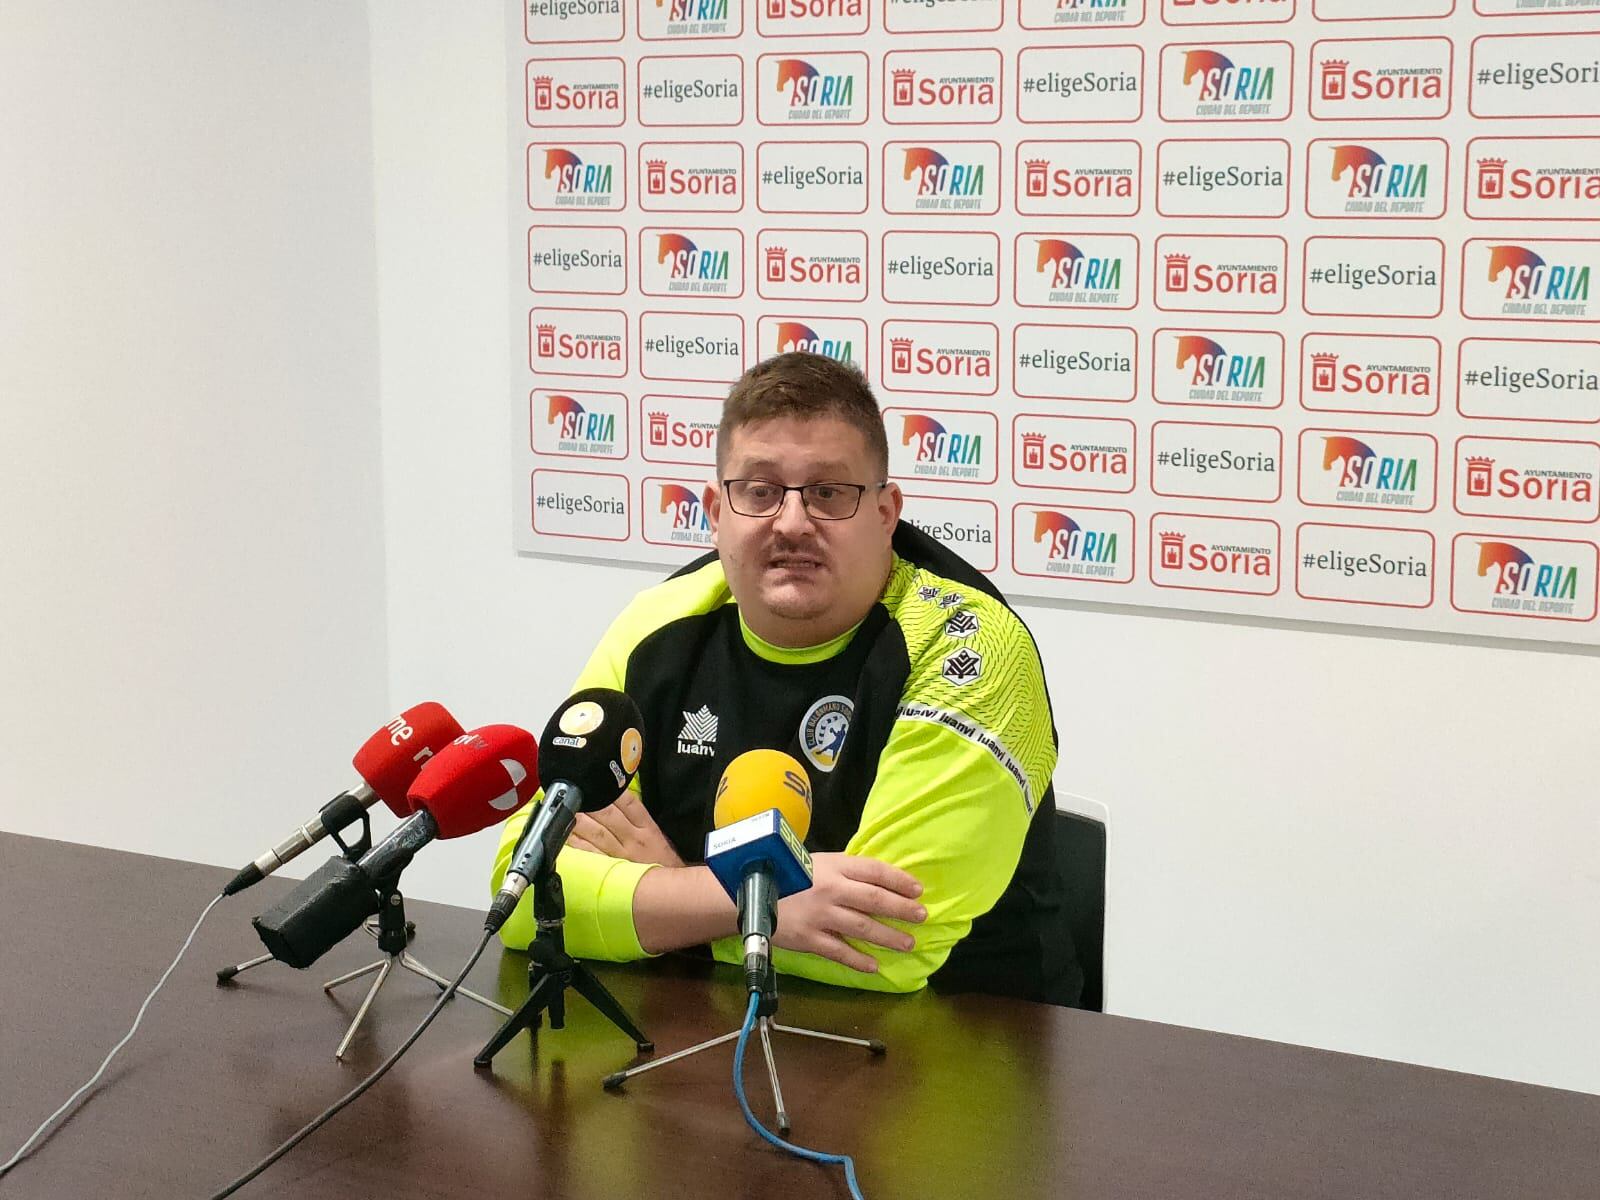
(551, 970)
(394, 934)
(766, 1026)
(352, 852)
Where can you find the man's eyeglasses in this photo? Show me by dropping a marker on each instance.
(824, 501)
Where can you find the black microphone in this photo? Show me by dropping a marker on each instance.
(588, 755)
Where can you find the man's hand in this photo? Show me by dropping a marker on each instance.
(847, 896)
(624, 830)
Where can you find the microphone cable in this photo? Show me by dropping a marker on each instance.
(354, 1093)
(28, 1146)
(816, 1156)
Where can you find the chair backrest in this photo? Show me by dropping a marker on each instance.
(1081, 851)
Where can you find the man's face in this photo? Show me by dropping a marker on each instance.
(800, 580)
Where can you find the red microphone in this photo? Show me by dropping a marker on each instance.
(478, 780)
(390, 759)
(388, 763)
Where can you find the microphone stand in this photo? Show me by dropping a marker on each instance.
(352, 853)
(765, 1024)
(394, 934)
(551, 970)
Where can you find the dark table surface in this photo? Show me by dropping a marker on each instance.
(977, 1096)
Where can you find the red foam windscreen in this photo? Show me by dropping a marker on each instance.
(478, 780)
(392, 758)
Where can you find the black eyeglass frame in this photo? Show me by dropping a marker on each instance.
(860, 490)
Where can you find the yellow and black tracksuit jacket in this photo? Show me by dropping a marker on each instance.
(927, 735)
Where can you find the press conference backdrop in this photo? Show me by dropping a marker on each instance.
(1268, 307)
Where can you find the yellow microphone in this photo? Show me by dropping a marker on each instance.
(762, 813)
(761, 779)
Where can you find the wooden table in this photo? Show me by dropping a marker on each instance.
(977, 1096)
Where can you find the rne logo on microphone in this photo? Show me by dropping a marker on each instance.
(1367, 469)
(1381, 79)
(570, 92)
(1517, 576)
(1396, 178)
(942, 87)
(811, 264)
(812, 89)
(1232, 81)
(1078, 14)
(1089, 545)
(576, 176)
(946, 445)
(1214, 554)
(582, 424)
(578, 341)
(1526, 479)
(1533, 178)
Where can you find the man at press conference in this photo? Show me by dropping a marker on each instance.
(824, 626)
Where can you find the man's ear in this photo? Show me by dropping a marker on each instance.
(711, 501)
(890, 503)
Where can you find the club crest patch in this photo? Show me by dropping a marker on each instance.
(823, 730)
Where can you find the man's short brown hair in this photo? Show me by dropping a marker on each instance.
(805, 386)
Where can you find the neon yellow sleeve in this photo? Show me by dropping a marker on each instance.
(598, 888)
(963, 770)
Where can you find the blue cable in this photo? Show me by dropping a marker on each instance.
(818, 1156)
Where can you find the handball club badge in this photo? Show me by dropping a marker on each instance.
(823, 730)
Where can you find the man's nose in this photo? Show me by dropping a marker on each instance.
(792, 518)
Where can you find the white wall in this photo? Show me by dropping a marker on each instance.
(192, 597)
(1362, 842)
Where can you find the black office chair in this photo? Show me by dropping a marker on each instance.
(1081, 853)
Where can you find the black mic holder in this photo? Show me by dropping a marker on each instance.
(551, 970)
(352, 852)
(325, 908)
